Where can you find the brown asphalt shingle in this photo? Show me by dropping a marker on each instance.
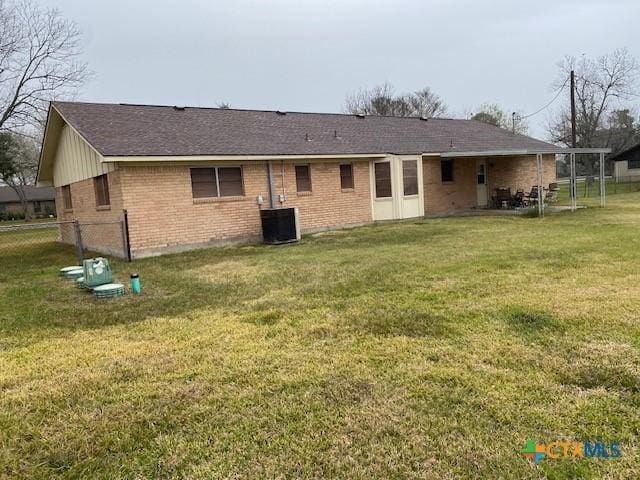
(131, 130)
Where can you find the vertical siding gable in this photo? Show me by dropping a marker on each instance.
(75, 160)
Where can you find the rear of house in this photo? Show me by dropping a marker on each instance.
(192, 177)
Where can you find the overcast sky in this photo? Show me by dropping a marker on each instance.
(307, 55)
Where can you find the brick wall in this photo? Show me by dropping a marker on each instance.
(447, 197)
(102, 238)
(519, 172)
(327, 205)
(164, 216)
(514, 172)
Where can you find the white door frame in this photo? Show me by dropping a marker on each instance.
(398, 205)
(382, 208)
(410, 206)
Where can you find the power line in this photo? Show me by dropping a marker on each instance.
(522, 117)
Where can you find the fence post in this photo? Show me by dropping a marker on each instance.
(79, 246)
(125, 225)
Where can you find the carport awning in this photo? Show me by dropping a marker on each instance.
(539, 153)
(511, 153)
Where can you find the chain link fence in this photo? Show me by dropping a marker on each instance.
(19, 239)
(588, 189)
(623, 185)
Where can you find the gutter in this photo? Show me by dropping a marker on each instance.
(233, 158)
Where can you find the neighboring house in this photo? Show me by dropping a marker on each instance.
(40, 202)
(190, 177)
(627, 165)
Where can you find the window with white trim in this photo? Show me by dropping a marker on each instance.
(410, 177)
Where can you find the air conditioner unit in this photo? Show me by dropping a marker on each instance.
(280, 225)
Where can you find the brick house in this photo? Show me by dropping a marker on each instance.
(626, 167)
(40, 202)
(191, 177)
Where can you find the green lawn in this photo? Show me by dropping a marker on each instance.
(589, 195)
(428, 349)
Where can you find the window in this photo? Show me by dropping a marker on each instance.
(66, 197)
(633, 163)
(230, 181)
(203, 182)
(446, 169)
(382, 171)
(37, 207)
(481, 175)
(410, 177)
(346, 176)
(303, 178)
(216, 182)
(101, 188)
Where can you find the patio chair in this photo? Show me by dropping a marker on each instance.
(503, 198)
(551, 196)
(531, 198)
(518, 199)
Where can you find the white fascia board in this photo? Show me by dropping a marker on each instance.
(231, 158)
(547, 151)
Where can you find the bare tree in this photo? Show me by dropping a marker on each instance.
(425, 103)
(602, 86)
(18, 164)
(39, 61)
(382, 100)
(378, 100)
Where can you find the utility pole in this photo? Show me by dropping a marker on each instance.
(573, 109)
(572, 156)
(513, 122)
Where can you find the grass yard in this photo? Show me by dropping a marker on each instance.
(589, 195)
(428, 349)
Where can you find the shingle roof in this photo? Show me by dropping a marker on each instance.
(132, 130)
(8, 194)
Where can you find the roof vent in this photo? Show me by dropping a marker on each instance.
(280, 112)
(360, 115)
(180, 109)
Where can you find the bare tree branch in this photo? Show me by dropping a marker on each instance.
(604, 87)
(39, 62)
(382, 100)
